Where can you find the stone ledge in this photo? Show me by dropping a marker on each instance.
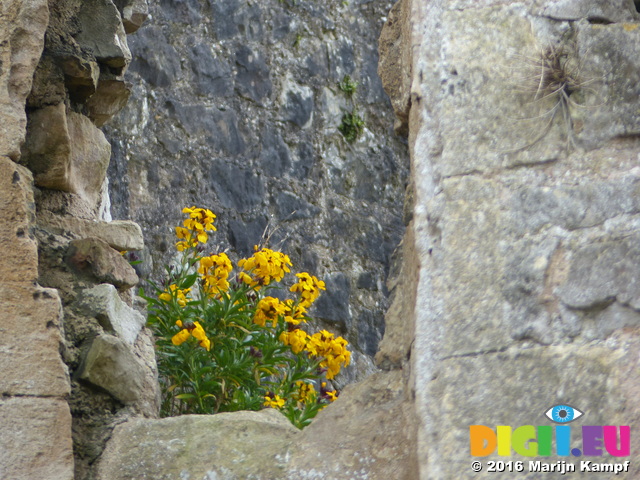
(119, 234)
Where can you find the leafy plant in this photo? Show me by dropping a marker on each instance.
(352, 126)
(228, 342)
(348, 86)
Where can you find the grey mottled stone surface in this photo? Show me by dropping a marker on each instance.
(526, 219)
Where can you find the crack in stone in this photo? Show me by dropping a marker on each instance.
(476, 354)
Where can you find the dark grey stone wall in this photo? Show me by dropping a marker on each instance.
(235, 106)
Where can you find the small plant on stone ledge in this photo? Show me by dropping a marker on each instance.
(232, 341)
(352, 124)
(348, 86)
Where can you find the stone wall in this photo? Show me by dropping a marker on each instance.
(36, 423)
(235, 106)
(526, 220)
(515, 287)
(262, 141)
(76, 358)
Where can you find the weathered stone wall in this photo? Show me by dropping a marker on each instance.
(516, 284)
(35, 438)
(338, 205)
(75, 356)
(526, 220)
(235, 106)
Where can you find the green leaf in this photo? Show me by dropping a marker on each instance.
(188, 281)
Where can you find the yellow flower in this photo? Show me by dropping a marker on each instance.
(306, 393)
(309, 288)
(269, 309)
(329, 395)
(264, 267)
(174, 292)
(191, 329)
(200, 219)
(180, 337)
(215, 271)
(195, 227)
(273, 401)
(297, 339)
(198, 333)
(334, 351)
(294, 314)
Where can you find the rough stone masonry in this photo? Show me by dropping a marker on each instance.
(517, 289)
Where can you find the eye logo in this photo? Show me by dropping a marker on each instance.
(563, 414)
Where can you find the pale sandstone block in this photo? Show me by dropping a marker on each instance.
(30, 339)
(35, 439)
(22, 27)
(20, 262)
(66, 152)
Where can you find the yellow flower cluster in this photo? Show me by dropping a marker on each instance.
(268, 310)
(215, 270)
(334, 351)
(294, 314)
(309, 288)
(273, 401)
(191, 329)
(195, 228)
(306, 393)
(264, 267)
(296, 339)
(175, 292)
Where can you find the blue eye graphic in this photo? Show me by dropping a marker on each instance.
(563, 414)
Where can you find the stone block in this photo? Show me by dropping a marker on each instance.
(48, 84)
(226, 445)
(119, 234)
(96, 258)
(363, 411)
(157, 61)
(67, 152)
(604, 272)
(610, 107)
(20, 263)
(333, 304)
(252, 79)
(134, 13)
(111, 365)
(35, 439)
(81, 76)
(22, 28)
(102, 33)
(237, 188)
(115, 316)
(297, 104)
(394, 67)
(609, 11)
(212, 76)
(30, 339)
(110, 97)
(375, 441)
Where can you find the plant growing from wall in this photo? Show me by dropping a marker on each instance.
(555, 81)
(232, 341)
(352, 124)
